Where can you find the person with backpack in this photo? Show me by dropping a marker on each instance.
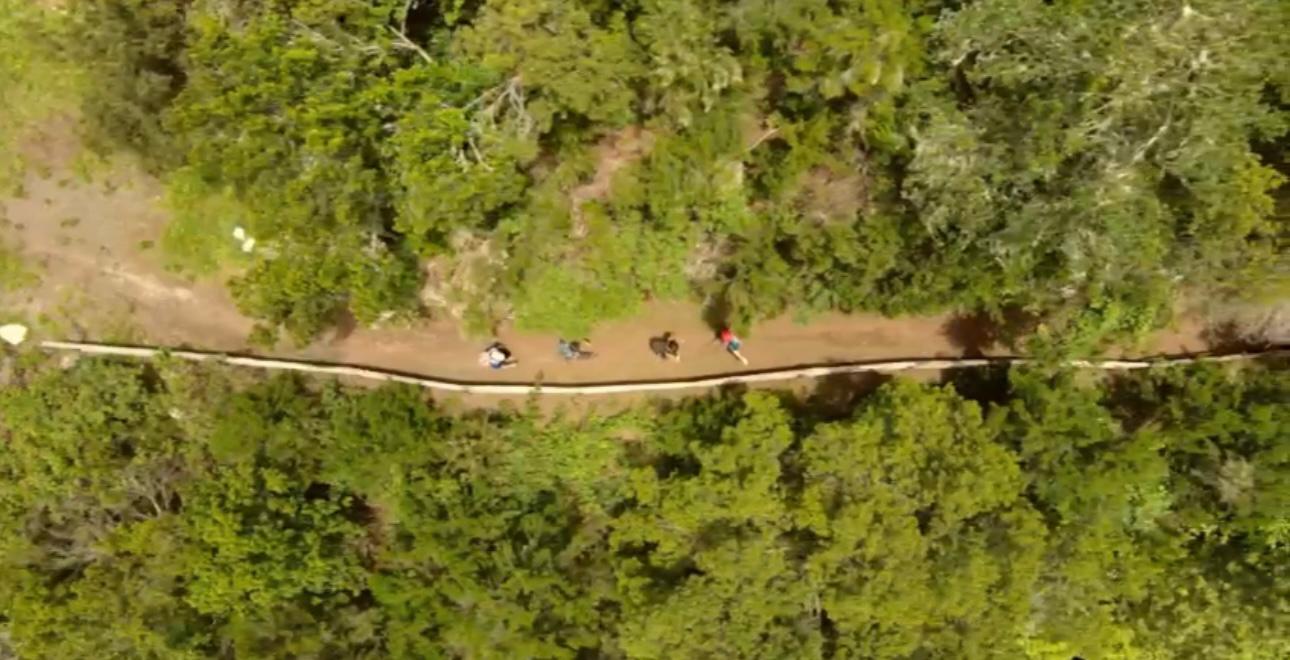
(497, 356)
(574, 350)
(666, 347)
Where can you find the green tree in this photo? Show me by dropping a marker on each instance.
(183, 511)
(701, 559)
(1091, 157)
(922, 541)
(132, 53)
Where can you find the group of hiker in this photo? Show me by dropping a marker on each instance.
(666, 347)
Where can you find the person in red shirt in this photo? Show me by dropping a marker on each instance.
(732, 344)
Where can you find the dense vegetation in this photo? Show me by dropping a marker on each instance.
(560, 161)
(1077, 165)
(167, 513)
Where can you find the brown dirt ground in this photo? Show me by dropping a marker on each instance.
(87, 243)
(612, 154)
(100, 282)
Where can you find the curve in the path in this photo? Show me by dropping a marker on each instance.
(625, 387)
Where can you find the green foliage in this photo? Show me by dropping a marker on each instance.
(861, 49)
(579, 67)
(928, 545)
(689, 68)
(458, 167)
(14, 273)
(35, 82)
(131, 52)
(167, 512)
(1087, 163)
(305, 287)
(1082, 165)
(199, 239)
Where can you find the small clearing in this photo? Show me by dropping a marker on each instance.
(612, 154)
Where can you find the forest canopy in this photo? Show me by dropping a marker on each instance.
(173, 511)
(558, 162)
(1080, 166)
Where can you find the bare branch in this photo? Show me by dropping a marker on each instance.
(1160, 132)
(406, 43)
(316, 35)
(503, 102)
(764, 136)
(479, 158)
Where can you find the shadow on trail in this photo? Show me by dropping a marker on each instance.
(971, 333)
(716, 312)
(1231, 337)
(975, 333)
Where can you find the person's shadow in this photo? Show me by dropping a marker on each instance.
(716, 313)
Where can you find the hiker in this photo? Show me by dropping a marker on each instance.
(732, 344)
(666, 347)
(574, 350)
(496, 356)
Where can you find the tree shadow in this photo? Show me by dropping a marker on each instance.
(424, 18)
(836, 396)
(987, 385)
(343, 324)
(971, 333)
(1230, 337)
(716, 312)
(732, 390)
(975, 333)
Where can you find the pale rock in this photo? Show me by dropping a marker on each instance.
(13, 334)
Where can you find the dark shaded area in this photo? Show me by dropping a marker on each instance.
(836, 396)
(985, 385)
(1227, 337)
(426, 17)
(343, 324)
(135, 53)
(716, 313)
(1127, 400)
(972, 333)
(733, 390)
(318, 490)
(977, 332)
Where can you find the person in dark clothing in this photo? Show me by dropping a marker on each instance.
(666, 347)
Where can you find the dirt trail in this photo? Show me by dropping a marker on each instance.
(89, 242)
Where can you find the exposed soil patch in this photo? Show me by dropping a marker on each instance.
(90, 246)
(612, 154)
(1242, 327)
(452, 281)
(826, 195)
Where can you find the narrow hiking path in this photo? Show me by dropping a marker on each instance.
(477, 387)
(101, 279)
